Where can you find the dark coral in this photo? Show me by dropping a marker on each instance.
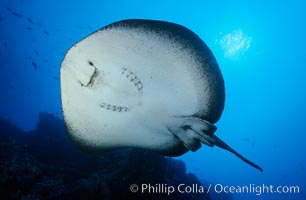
(43, 164)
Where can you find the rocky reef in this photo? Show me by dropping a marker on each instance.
(43, 164)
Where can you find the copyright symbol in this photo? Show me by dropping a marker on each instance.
(134, 188)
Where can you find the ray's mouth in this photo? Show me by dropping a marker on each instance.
(93, 77)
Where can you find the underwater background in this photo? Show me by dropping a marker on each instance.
(260, 49)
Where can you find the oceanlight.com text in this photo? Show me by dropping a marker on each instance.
(257, 189)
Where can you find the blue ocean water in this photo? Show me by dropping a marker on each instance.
(259, 47)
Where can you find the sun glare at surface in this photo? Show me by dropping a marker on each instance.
(234, 44)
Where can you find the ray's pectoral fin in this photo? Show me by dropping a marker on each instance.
(194, 131)
(188, 137)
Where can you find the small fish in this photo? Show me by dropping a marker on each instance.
(45, 60)
(29, 28)
(245, 140)
(58, 29)
(80, 27)
(29, 57)
(36, 52)
(14, 13)
(1, 19)
(5, 44)
(46, 32)
(34, 65)
(55, 78)
(89, 27)
(253, 143)
(30, 20)
(284, 175)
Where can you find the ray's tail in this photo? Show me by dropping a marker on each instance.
(218, 142)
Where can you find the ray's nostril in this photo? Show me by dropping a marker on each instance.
(90, 63)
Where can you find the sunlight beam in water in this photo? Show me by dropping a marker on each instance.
(234, 44)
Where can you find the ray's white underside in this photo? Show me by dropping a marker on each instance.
(165, 88)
